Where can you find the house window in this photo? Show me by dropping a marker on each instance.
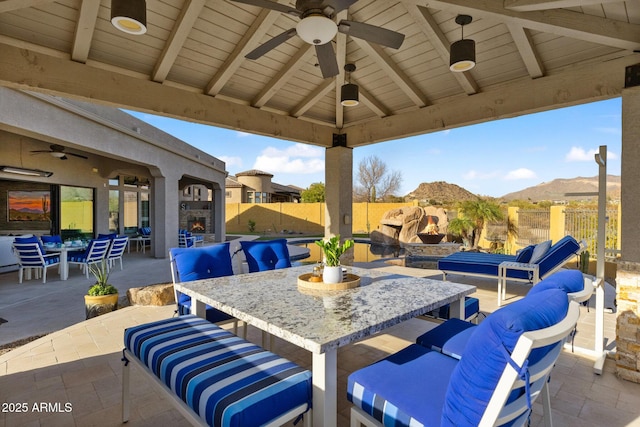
(227, 194)
(249, 196)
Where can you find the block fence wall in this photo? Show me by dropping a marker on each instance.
(305, 218)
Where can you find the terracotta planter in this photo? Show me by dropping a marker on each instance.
(96, 306)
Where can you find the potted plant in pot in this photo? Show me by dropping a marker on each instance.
(333, 250)
(101, 297)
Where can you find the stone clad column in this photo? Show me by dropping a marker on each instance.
(339, 193)
(628, 271)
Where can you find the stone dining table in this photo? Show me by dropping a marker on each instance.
(321, 322)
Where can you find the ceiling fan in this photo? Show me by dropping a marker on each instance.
(317, 27)
(57, 151)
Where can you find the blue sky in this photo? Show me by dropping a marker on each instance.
(493, 158)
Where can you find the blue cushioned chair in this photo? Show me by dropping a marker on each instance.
(51, 239)
(94, 254)
(265, 255)
(188, 264)
(452, 336)
(116, 250)
(185, 240)
(506, 367)
(31, 256)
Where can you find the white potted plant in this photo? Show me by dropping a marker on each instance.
(333, 250)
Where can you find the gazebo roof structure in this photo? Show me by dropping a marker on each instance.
(531, 55)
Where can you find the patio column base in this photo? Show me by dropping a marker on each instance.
(628, 321)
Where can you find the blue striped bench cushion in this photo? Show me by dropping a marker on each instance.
(226, 380)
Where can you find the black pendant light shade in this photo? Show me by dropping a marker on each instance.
(462, 54)
(129, 16)
(349, 96)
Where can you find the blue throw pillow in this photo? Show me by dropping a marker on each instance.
(477, 374)
(539, 251)
(524, 255)
(568, 281)
(203, 263)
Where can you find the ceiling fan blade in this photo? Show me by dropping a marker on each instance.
(271, 5)
(271, 44)
(340, 5)
(327, 60)
(39, 151)
(63, 157)
(371, 33)
(76, 155)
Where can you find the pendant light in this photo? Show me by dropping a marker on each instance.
(129, 16)
(463, 52)
(349, 92)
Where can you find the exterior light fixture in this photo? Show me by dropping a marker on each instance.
(349, 96)
(462, 55)
(23, 171)
(316, 29)
(129, 16)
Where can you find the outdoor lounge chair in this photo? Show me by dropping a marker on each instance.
(452, 336)
(511, 267)
(510, 357)
(189, 264)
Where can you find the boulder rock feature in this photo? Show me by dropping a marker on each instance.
(158, 295)
(411, 224)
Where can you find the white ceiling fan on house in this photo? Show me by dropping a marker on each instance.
(58, 151)
(317, 27)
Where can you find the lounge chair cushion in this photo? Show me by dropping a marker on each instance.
(204, 263)
(560, 251)
(569, 281)
(226, 380)
(539, 251)
(524, 255)
(388, 391)
(478, 372)
(479, 263)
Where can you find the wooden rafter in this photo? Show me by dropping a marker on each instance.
(84, 30)
(529, 5)
(9, 5)
(522, 39)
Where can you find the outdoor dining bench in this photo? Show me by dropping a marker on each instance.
(214, 377)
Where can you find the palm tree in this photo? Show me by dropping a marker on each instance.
(462, 227)
(479, 212)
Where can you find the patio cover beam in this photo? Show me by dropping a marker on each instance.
(29, 70)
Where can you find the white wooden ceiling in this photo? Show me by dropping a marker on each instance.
(532, 55)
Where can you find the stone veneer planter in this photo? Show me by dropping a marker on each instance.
(426, 250)
(628, 321)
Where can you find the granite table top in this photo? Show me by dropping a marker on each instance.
(318, 321)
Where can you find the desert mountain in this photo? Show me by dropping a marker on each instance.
(558, 188)
(441, 192)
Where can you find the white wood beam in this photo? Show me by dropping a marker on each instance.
(283, 76)
(562, 22)
(28, 70)
(431, 29)
(575, 86)
(314, 97)
(84, 30)
(9, 5)
(529, 5)
(524, 43)
(184, 23)
(341, 58)
(249, 41)
(372, 102)
(393, 71)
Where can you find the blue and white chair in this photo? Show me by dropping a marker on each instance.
(94, 254)
(116, 250)
(188, 264)
(263, 255)
(32, 257)
(186, 240)
(504, 370)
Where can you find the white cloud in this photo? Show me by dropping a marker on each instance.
(297, 158)
(579, 154)
(231, 161)
(242, 134)
(522, 173)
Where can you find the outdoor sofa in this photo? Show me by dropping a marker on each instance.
(530, 265)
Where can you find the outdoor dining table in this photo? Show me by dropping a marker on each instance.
(64, 250)
(321, 322)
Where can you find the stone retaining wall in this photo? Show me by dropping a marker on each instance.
(628, 321)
